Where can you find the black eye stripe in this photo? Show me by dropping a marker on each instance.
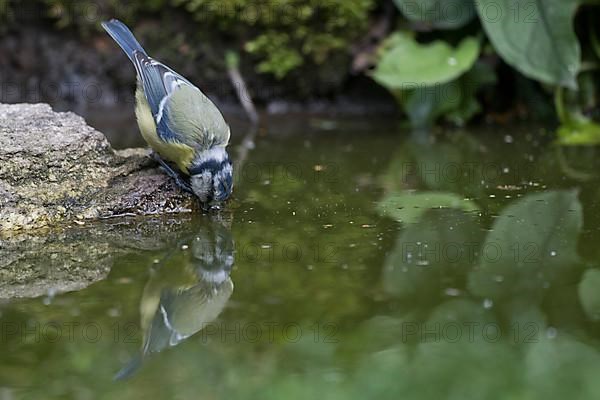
(209, 165)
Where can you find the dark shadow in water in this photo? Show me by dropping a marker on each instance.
(186, 291)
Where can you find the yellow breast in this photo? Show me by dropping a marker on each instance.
(178, 153)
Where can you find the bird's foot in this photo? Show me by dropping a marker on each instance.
(179, 180)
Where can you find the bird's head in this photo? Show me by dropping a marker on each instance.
(211, 176)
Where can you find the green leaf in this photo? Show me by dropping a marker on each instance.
(407, 207)
(576, 128)
(535, 37)
(431, 255)
(425, 105)
(561, 367)
(480, 75)
(579, 133)
(589, 294)
(440, 14)
(407, 64)
(532, 242)
(432, 168)
(377, 376)
(456, 100)
(455, 342)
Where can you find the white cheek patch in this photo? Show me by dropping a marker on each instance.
(227, 169)
(221, 177)
(215, 277)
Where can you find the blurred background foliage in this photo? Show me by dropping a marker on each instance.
(448, 61)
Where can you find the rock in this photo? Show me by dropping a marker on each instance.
(32, 266)
(68, 259)
(55, 170)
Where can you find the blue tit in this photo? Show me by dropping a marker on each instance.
(179, 122)
(185, 292)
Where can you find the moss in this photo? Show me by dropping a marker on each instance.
(279, 57)
(279, 37)
(284, 34)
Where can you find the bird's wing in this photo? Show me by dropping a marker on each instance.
(193, 309)
(181, 111)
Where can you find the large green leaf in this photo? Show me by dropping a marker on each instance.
(575, 127)
(425, 105)
(531, 244)
(407, 207)
(453, 168)
(441, 14)
(561, 367)
(589, 293)
(432, 255)
(406, 64)
(535, 36)
(457, 341)
(454, 100)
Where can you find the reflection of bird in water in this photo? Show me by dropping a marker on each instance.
(186, 291)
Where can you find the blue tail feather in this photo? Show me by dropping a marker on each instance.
(130, 369)
(124, 37)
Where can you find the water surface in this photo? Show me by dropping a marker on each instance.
(355, 261)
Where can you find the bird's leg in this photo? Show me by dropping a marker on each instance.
(179, 180)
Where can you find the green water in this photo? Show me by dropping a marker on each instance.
(356, 261)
